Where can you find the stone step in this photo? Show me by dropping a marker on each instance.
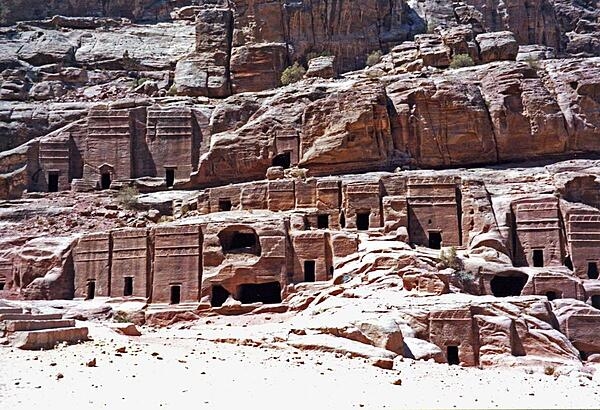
(23, 325)
(48, 338)
(7, 310)
(29, 316)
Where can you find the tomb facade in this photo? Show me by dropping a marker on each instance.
(434, 211)
(537, 238)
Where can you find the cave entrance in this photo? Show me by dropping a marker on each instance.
(90, 290)
(128, 286)
(283, 160)
(219, 296)
(175, 294)
(53, 182)
(452, 355)
(592, 270)
(240, 240)
(596, 301)
(2, 284)
(552, 295)
(538, 258)
(503, 286)
(323, 221)
(105, 180)
(309, 271)
(225, 205)
(267, 293)
(170, 177)
(435, 239)
(362, 221)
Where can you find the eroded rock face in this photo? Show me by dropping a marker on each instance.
(19, 10)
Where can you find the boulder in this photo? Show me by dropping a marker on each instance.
(497, 46)
(323, 67)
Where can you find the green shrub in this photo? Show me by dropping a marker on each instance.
(374, 58)
(462, 60)
(449, 259)
(128, 197)
(464, 277)
(172, 91)
(292, 74)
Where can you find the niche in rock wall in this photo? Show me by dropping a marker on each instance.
(435, 240)
(175, 294)
(592, 270)
(452, 355)
(53, 181)
(362, 221)
(128, 286)
(283, 160)
(596, 301)
(267, 293)
(538, 258)
(511, 285)
(90, 290)
(105, 180)
(218, 296)
(240, 240)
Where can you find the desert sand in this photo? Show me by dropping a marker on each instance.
(177, 368)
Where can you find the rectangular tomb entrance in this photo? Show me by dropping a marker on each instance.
(267, 293)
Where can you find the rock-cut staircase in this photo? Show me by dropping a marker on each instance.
(31, 331)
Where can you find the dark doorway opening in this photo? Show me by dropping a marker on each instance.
(53, 182)
(309, 271)
(219, 296)
(170, 177)
(503, 286)
(323, 221)
(596, 301)
(330, 272)
(435, 240)
(91, 290)
(592, 270)
(362, 221)
(225, 205)
(105, 181)
(538, 258)
(452, 355)
(342, 220)
(128, 286)
(568, 262)
(175, 294)
(283, 160)
(2, 284)
(240, 240)
(266, 293)
(551, 295)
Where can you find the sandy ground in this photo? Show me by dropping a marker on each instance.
(177, 369)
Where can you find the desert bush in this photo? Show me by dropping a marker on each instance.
(374, 58)
(292, 74)
(449, 259)
(128, 197)
(172, 91)
(549, 370)
(461, 60)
